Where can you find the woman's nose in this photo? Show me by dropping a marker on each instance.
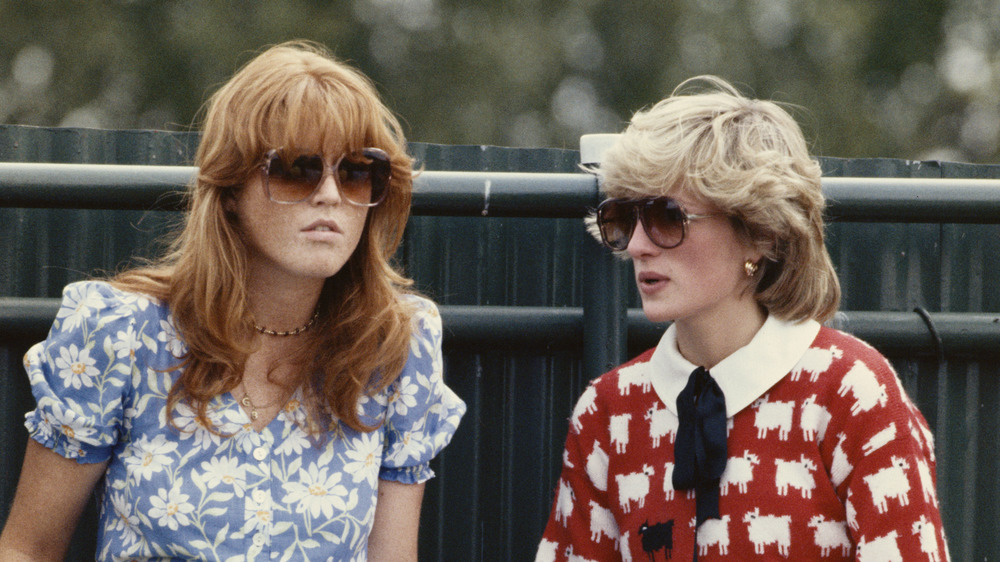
(640, 244)
(328, 191)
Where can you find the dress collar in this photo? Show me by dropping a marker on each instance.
(743, 376)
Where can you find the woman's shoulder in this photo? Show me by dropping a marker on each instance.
(631, 371)
(426, 318)
(848, 350)
(420, 303)
(850, 377)
(92, 300)
(106, 291)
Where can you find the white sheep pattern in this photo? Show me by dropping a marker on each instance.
(768, 529)
(773, 415)
(928, 538)
(816, 361)
(633, 487)
(712, 532)
(830, 535)
(797, 474)
(619, 432)
(585, 405)
(564, 502)
(890, 482)
(882, 549)
(867, 391)
(634, 375)
(880, 439)
(739, 472)
(662, 422)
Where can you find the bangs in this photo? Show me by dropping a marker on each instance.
(297, 99)
(641, 165)
(317, 117)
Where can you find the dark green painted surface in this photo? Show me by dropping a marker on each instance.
(495, 481)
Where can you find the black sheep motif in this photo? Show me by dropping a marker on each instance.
(659, 536)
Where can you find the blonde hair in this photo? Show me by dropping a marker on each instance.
(361, 341)
(749, 159)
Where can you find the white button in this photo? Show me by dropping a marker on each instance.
(258, 539)
(259, 496)
(260, 453)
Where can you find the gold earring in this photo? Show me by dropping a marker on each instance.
(750, 268)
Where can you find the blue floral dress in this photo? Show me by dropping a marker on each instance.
(101, 382)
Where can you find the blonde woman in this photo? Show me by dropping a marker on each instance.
(270, 388)
(751, 431)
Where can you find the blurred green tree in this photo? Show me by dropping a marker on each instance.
(867, 78)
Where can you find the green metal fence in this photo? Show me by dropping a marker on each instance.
(533, 308)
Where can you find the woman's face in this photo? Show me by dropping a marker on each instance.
(703, 279)
(306, 241)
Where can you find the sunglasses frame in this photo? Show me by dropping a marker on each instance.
(375, 154)
(638, 209)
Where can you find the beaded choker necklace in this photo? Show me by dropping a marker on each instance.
(295, 332)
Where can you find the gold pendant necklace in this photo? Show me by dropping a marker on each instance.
(247, 403)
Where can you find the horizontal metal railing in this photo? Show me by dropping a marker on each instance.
(902, 200)
(959, 334)
(112, 186)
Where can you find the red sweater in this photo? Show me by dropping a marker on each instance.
(833, 462)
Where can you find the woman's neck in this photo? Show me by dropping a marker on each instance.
(283, 309)
(707, 341)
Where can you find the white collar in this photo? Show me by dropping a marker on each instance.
(743, 376)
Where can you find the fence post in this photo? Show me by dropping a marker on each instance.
(605, 328)
(605, 325)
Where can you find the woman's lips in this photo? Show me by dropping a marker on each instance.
(648, 281)
(322, 231)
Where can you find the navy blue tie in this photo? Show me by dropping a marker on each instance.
(700, 449)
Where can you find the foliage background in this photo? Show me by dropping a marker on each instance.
(913, 79)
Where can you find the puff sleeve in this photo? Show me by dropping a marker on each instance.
(422, 413)
(81, 375)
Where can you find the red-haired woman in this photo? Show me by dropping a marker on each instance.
(270, 388)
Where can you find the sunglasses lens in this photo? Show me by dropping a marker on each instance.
(363, 178)
(289, 182)
(616, 220)
(663, 220)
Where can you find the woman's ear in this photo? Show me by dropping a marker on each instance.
(229, 201)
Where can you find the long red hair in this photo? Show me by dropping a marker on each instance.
(361, 340)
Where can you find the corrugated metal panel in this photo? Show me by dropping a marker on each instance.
(43, 249)
(518, 398)
(949, 268)
(495, 481)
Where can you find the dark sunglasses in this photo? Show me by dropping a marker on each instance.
(362, 177)
(663, 219)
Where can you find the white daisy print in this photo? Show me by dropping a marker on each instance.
(60, 420)
(102, 381)
(294, 443)
(124, 522)
(258, 515)
(404, 397)
(224, 471)
(186, 420)
(168, 335)
(127, 343)
(170, 509)
(365, 454)
(145, 458)
(77, 306)
(317, 492)
(412, 444)
(76, 367)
